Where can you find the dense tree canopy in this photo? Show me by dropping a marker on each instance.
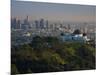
(77, 31)
(48, 54)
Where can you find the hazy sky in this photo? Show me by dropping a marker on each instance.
(51, 11)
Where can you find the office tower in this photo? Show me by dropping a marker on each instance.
(42, 23)
(84, 28)
(51, 26)
(61, 26)
(37, 24)
(69, 28)
(27, 18)
(18, 25)
(13, 23)
(46, 24)
(55, 26)
(26, 22)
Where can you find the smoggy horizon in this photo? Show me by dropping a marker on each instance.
(53, 11)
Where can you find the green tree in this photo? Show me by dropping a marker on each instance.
(14, 69)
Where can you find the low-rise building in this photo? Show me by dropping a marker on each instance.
(74, 37)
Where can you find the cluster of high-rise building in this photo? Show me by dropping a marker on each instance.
(46, 25)
(17, 24)
(41, 24)
(25, 24)
(25, 30)
(37, 24)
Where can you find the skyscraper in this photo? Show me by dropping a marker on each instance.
(18, 25)
(26, 24)
(37, 24)
(68, 28)
(13, 23)
(42, 23)
(26, 21)
(47, 24)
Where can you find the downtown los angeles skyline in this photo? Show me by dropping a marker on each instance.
(53, 11)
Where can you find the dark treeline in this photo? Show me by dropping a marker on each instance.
(48, 54)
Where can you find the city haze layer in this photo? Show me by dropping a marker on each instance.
(53, 11)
